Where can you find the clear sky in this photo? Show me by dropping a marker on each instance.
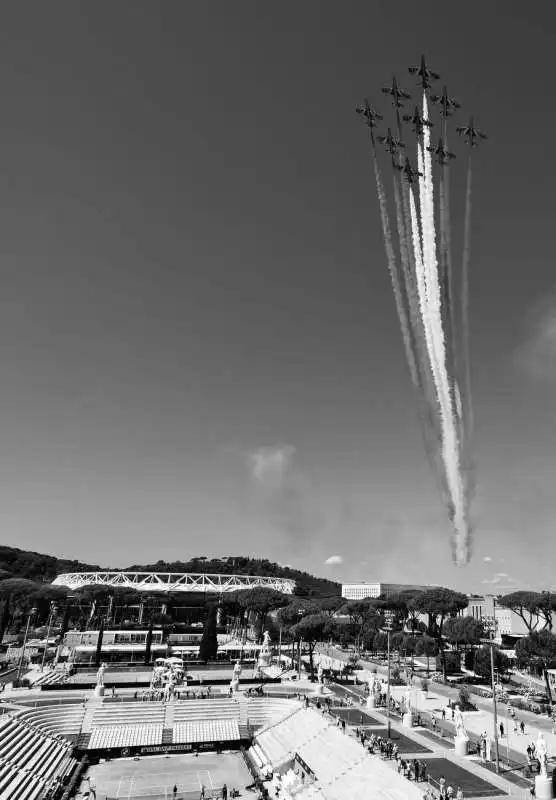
(193, 270)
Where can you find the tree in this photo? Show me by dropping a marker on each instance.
(312, 629)
(538, 650)
(527, 606)
(98, 653)
(463, 630)
(481, 662)
(259, 602)
(361, 614)
(426, 646)
(330, 605)
(439, 603)
(208, 646)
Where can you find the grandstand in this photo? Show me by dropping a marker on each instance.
(32, 762)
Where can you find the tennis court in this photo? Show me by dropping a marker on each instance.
(154, 777)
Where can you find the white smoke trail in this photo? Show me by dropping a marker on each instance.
(394, 277)
(450, 442)
(465, 308)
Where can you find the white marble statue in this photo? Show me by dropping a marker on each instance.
(320, 674)
(237, 671)
(100, 674)
(460, 726)
(266, 641)
(407, 700)
(541, 753)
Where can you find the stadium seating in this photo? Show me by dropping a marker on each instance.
(125, 736)
(215, 731)
(64, 719)
(31, 761)
(213, 709)
(113, 714)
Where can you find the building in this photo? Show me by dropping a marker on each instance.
(364, 589)
(508, 623)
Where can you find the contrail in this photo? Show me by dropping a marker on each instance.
(393, 269)
(466, 365)
(450, 443)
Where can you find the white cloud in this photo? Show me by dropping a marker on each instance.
(268, 465)
(333, 560)
(500, 578)
(487, 558)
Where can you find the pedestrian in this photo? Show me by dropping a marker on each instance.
(175, 790)
(202, 796)
(501, 730)
(522, 727)
(443, 712)
(224, 792)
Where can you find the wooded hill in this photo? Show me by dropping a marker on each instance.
(44, 568)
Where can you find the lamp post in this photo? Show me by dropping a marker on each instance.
(388, 622)
(51, 617)
(490, 625)
(20, 665)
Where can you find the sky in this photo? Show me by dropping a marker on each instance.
(198, 342)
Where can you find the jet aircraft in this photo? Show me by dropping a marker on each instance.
(371, 116)
(425, 74)
(444, 155)
(418, 122)
(397, 93)
(471, 134)
(410, 174)
(390, 142)
(448, 104)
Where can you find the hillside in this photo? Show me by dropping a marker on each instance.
(44, 568)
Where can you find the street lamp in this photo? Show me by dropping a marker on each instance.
(388, 623)
(490, 624)
(20, 665)
(51, 617)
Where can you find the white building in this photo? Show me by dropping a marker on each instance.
(508, 623)
(361, 590)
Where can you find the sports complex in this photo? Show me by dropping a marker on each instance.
(252, 722)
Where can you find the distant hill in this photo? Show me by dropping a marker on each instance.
(43, 568)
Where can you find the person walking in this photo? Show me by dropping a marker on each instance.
(522, 727)
(174, 791)
(501, 730)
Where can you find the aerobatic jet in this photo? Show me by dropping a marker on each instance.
(410, 174)
(397, 93)
(391, 143)
(448, 104)
(425, 74)
(471, 134)
(418, 122)
(444, 155)
(371, 116)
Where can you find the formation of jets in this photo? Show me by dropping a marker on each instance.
(418, 122)
(444, 155)
(471, 134)
(448, 105)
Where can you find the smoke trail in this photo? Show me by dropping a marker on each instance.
(392, 267)
(446, 270)
(450, 443)
(466, 369)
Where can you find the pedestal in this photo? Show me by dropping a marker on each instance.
(460, 746)
(543, 788)
(99, 691)
(407, 720)
(371, 701)
(234, 685)
(319, 689)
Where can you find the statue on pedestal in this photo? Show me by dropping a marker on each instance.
(407, 700)
(460, 726)
(542, 754)
(100, 674)
(320, 674)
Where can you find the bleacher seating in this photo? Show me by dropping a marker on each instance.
(213, 709)
(31, 761)
(65, 719)
(225, 730)
(113, 714)
(264, 711)
(125, 736)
